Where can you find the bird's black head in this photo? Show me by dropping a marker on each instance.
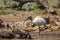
(28, 18)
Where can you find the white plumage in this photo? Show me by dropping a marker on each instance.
(39, 20)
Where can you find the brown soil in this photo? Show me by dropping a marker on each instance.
(21, 17)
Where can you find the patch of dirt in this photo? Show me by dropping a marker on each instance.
(21, 17)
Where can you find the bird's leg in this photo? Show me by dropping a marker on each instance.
(45, 26)
(39, 29)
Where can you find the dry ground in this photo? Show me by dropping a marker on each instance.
(20, 17)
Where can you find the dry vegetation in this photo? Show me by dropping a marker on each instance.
(16, 17)
(52, 28)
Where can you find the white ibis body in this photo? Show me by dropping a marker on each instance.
(40, 21)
